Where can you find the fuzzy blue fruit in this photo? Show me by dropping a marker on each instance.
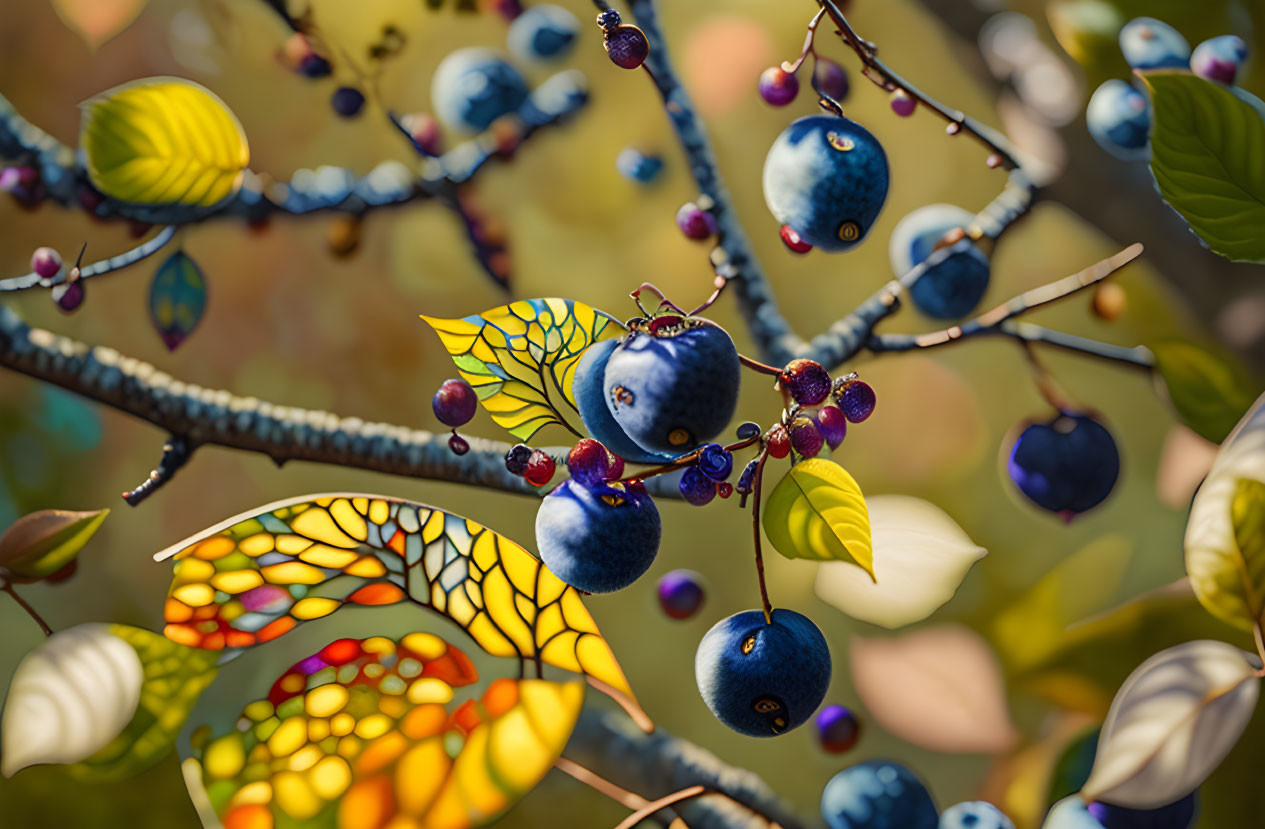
(1119, 119)
(473, 87)
(589, 388)
(598, 539)
(952, 288)
(826, 178)
(1067, 465)
(975, 815)
(1148, 43)
(1072, 813)
(763, 679)
(673, 384)
(878, 794)
(543, 33)
(637, 166)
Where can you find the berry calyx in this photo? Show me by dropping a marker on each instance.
(626, 46)
(681, 593)
(807, 381)
(806, 438)
(540, 468)
(458, 444)
(855, 397)
(902, 104)
(833, 425)
(455, 403)
(517, 457)
(696, 488)
(347, 101)
(777, 86)
(837, 729)
(715, 462)
(695, 222)
(778, 442)
(46, 262)
(793, 241)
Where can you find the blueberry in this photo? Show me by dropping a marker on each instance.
(696, 488)
(952, 288)
(608, 19)
(837, 729)
(830, 80)
(1119, 119)
(455, 403)
(543, 33)
(635, 165)
(347, 101)
(974, 815)
(681, 593)
(715, 462)
(588, 387)
(1067, 465)
(1148, 43)
(1072, 813)
(626, 46)
(748, 430)
(763, 679)
(473, 87)
(517, 457)
(46, 262)
(670, 387)
(856, 399)
(777, 86)
(1219, 59)
(878, 794)
(598, 539)
(826, 178)
(833, 425)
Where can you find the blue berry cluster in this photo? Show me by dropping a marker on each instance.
(881, 794)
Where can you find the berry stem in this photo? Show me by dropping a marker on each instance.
(676, 797)
(30, 611)
(756, 365)
(755, 532)
(684, 461)
(664, 302)
(1046, 384)
(787, 66)
(625, 798)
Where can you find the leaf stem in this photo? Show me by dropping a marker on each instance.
(30, 611)
(663, 802)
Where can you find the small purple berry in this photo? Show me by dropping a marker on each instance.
(830, 80)
(696, 488)
(807, 381)
(777, 86)
(715, 462)
(681, 593)
(902, 104)
(837, 729)
(455, 403)
(857, 400)
(458, 444)
(516, 459)
(46, 262)
(627, 46)
(806, 438)
(695, 222)
(608, 20)
(68, 295)
(833, 425)
(347, 101)
(314, 66)
(748, 430)
(747, 479)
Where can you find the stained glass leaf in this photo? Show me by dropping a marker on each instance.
(521, 358)
(254, 577)
(177, 298)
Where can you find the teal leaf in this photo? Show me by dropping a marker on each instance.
(177, 299)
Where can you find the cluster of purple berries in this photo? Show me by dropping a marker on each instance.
(821, 411)
(626, 45)
(709, 476)
(778, 87)
(68, 295)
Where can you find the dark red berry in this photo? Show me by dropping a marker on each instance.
(830, 80)
(857, 400)
(695, 222)
(778, 442)
(347, 101)
(627, 46)
(64, 573)
(68, 295)
(806, 438)
(681, 593)
(696, 488)
(516, 458)
(46, 262)
(589, 462)
(615, 470)
(724, 489)
(455, 402)
(777, 86)
(793, 241)
(806, 380)
(540, 468)
(837, 729)
(833, 425)
(458, 444)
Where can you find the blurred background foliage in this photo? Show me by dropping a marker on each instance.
(289, 323)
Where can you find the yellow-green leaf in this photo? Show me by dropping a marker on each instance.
(41, 543)
(817, 512)
(1209, 391)
(96, 21)
(521, 358)
(163, 141)
(1207, 160)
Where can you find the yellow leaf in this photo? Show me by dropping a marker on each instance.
(163, 141)
(96, 21)
(41, 543)
(817, 512)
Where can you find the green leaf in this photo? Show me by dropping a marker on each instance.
(817, 512)
(1207, 160)
(175, 677)
(1229, 576)
(39, 544)
(1209, 390)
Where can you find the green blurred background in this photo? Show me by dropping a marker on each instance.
(289, 323)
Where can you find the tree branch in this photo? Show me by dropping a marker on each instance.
(114, 263)
(176, 453)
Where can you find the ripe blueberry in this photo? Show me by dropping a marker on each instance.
(777, 86)
(543, 33)
(807, 381)
(826, 177)
(878, 794)
(759, 678)
(974, 815)
(598, 539)
(589, 389)
(347, 101)
(837, 729)
(681, 593)
(455, 403)
(626, 46)
(1148, 43)
(1119, 119)
(1072, 813)
(715, 462)
(1219, 59)
(673, 384)
(473, 87)
(1067, 465)
(953, 287)
(696, 488)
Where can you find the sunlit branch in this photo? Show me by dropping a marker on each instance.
(176, 453)
(114, 263)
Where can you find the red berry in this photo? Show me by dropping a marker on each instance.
(588, 461)
(458, 444)
(627, 46)
(793, 241)
(777, 86)
(615, 470)
(455, 403)
(778, 442)
(725, 489)
(46, 262)
(806, 380)
(540, 468)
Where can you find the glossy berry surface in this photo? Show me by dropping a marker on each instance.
(517, 457)
(715, 462)
(696, 488)
(590, 463)
(46, 262)
(543, 32)
(675, 387)
(635, 165)
(778, 442)
(589, 388)
(608, 19)
(626, 46)
(748, 430)
(473, 87)
(763, 679)
(68, 296)
(976, 814)
(1119, 119)
(1067, 465)
(455, 403)
(806, 438)
(777, 86)
(1072, 813)
(856, 400)
(833, 425)
(878, 794)
(347, 101)
(826, 177)
(681, 593)
(458, 445)
(695, 222)
(830, 79)
(1219, 59)
(598, 539)
(837, 729)
(792, 240)
(1147, 43)
(952, 288)
(807, 382)
(540, 468)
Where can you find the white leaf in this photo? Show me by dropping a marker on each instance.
(1172, 722)
(940, 688)
(69, 697)
(920, 557)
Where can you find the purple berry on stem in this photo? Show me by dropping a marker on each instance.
(458, 444)
(696, 488)
(608, 20)
(856, 398)
(627, 46)
(806, 438)
(837, 729)
(830, 80)
(807, 381)
(902, 104)
(695, 222)
(833, 425)
(455, 403)
(777, 86)
(517, 457)
(68, 296)
(589, 463)
(46, 262)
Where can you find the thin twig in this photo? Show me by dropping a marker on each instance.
(30, 611)
(684, 461)
(114, 263)
(625, 798)
(630, 706)
(756, 480)
(662, 803)
(176, 452)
